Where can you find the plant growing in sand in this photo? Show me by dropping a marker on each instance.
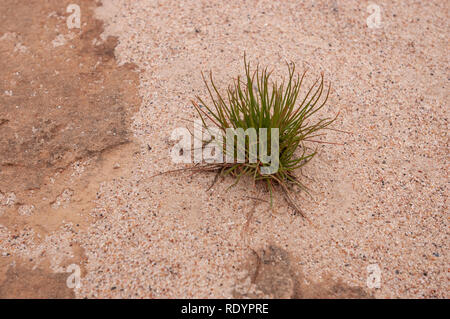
(254, 101)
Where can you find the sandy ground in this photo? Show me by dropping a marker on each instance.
(379, 199)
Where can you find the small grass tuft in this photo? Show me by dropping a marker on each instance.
(254, 101)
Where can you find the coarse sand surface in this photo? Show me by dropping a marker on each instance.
(378, 197)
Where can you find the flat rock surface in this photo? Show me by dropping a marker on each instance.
(86, 116)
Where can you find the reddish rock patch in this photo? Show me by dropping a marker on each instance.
(63, 100)
(275, 276)
(62, 97)
(22, 281)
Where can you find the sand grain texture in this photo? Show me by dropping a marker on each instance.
(378, 199)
